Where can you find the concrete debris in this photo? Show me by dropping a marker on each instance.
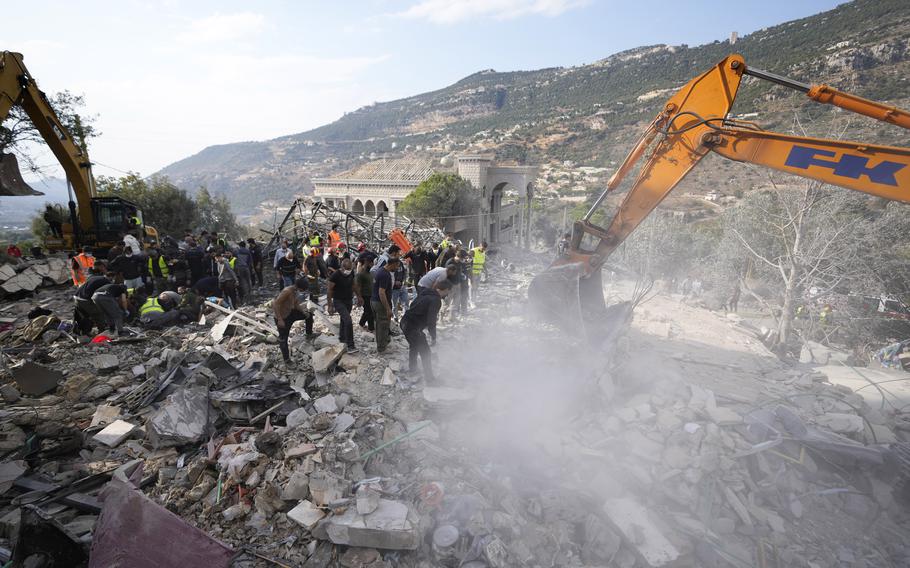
(391, 526)
(115, 433)
(306, 515)
(691, 446)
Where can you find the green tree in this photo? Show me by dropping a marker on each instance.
(164, 206)
(441, 195)
(18, 133)
(214, 214)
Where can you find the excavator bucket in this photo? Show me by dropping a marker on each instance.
(11, 182)
(563, 295)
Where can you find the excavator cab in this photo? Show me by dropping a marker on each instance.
(11, 182)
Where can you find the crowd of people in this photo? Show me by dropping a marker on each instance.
(412, 289)
(169, 284)
(165, 285)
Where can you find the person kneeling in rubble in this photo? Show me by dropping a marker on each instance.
(288, 309)
(87, 315)
(157, 312)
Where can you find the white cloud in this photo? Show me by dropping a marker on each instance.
(455, 11)
(223, 27)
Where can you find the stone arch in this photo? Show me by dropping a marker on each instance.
(357, 207)
(369, 209)
(382, 209)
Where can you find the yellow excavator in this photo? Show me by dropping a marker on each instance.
(94, 220)
(693, 123)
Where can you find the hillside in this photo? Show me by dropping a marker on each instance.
(586, 116)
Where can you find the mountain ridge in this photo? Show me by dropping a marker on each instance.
(586, 115)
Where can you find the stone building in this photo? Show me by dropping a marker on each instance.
(504, 193)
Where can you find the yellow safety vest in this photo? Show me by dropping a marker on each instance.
(233, 260)
(314, 241)
(161, 264)
(480, 258)
(150, 306)
(135, 221)
(444, 244)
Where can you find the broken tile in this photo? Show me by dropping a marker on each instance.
(114, 433)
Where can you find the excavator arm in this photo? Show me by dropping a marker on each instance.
(18, 87)
(693, 123)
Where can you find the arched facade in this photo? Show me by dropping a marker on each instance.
(357, 207)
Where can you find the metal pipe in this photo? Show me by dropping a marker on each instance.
(777, 79)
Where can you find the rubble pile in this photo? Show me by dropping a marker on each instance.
(198, 445)
(28, 275)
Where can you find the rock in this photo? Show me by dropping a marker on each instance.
(392, 526)
(114, 433)
(841, 423)
(367, 499)
(388, 378)
(360, 558)
(325, 487)
(300, 451)
(138, 370)
(342, 423)
(326, 404)
(296, 417)
(268, 443)
(9, 393)
(96, 391)
(297, 487)
(442, 396)
(641, 531)
(9, 472)
(306, 515)
(326, 358)
(105, 362)
(104, 415)
(182, 419)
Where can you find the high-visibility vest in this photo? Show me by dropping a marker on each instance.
(150, 306)
(444, 244)
(85, 262)
(334, 239)
(315, 241)
(480, 257)
(135, 221)
(161, 264)
(232, 261)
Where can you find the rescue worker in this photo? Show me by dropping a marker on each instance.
(288, 267)
(315, 242)
(313, 270)
(227, 280)
(478, 266)
(54, 220)
(81, 264)
(13, 251)
(256, 254)
(158, 270)
(340, 298)
(437, 275)
(400, 297)
(129, 267)
(288, 309)
(190, 306)
(155, 313)
(363, 287)
(334, 237)
(112, 301)
(381, 301)
(241, 262)
(422, 316)
(280, 253)
(87, 314)
(461, 293)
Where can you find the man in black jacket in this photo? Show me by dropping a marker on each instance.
(422, 315)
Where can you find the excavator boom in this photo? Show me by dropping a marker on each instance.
(693, 123)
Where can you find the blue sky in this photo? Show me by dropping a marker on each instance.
(169, 78)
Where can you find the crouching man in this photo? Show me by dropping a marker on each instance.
(157, 312)
(422, 316)
(288, 309)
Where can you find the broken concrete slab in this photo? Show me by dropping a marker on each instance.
(114, 433)
(297, 487)
(306, 515)
(105, 362)
(104, 415)
(446, 395)
(342, 423)
(9, 472)
(182, 419)
(326, 358)
(840, 422)
(301, 450)
(34, 379)
(388, 378)
(325, 487)
(645, 534)
(326, 404)
(392, 526)
(367, 499)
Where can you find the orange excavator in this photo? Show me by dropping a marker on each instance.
(693, 123)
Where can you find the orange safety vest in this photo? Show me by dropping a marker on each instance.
(334, 239)
(84, 262)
